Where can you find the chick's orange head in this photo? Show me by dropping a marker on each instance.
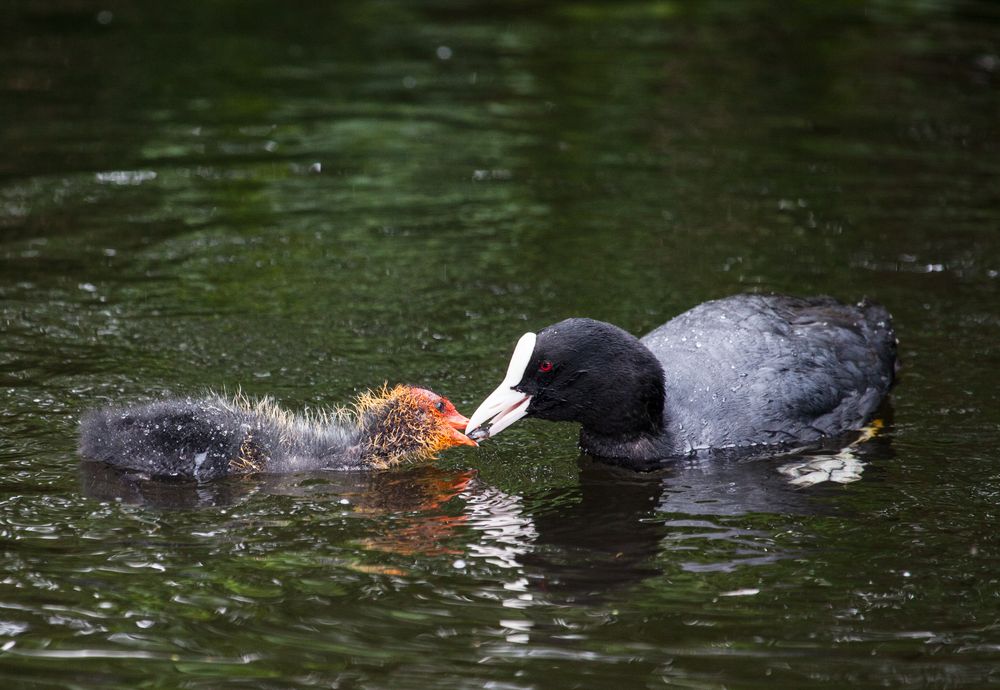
(455, 420)
(406, 421)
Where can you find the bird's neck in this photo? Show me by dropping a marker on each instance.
(387, 434)
(640, 451)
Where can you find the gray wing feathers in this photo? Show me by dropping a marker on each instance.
(769, 369)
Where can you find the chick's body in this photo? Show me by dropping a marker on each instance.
(212, 437)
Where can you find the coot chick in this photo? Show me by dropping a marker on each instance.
(746, 370)
(214, 437)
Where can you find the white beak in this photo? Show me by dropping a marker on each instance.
(504, 406)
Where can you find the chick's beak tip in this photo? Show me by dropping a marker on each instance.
(457, 438)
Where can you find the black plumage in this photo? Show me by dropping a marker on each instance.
(747, 370)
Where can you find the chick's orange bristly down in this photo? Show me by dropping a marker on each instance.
(406, 421)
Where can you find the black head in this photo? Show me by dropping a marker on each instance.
(580, 370)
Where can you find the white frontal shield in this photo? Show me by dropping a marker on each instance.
(504, 406)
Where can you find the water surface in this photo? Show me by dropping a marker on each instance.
(308, 201)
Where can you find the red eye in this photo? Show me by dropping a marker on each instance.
(544, 366)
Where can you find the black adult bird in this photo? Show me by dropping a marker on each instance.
(746, 370)
(214, 437)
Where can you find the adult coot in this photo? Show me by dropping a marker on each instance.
(746, 370)
(214, 437)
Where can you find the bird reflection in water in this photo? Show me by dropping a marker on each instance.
(610, 530)
(413, 500)
(841, 466)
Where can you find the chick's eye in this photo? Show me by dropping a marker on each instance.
(545, 366)
(439, 406)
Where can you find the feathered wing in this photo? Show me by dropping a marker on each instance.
(844, 363)
(773, 369)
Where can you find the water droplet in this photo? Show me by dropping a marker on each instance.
(126, 177)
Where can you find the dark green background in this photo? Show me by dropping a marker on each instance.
(308, 199)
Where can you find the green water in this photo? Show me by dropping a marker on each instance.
(308, 199)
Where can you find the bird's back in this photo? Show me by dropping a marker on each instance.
(212, 437)
(196, 439)
(753, 369)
